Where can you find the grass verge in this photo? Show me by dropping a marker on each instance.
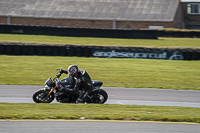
(161, 42)
(138, 73)
(26, 111)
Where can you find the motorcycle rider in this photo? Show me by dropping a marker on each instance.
(82, 80)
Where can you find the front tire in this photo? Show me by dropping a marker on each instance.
(99, 96)
(40, 97)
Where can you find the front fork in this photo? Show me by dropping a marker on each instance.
(51, 91)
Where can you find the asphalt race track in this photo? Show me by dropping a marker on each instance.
(95, 127)
(124, 96)
(132, 96)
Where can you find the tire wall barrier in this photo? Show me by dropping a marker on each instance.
(78, 32)
(99, 51)
(92, 32)
(186, 34)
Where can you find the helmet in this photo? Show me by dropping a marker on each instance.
(73, 70)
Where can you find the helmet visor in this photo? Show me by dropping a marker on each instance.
(70, 73)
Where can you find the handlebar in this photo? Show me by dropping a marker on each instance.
(58, 75)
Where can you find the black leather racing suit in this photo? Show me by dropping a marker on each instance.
(83, 81)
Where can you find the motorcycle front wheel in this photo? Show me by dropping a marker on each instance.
(40, 97)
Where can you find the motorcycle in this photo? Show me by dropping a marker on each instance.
(52, 87)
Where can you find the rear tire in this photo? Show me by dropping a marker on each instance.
(99, 96)
(39, 97)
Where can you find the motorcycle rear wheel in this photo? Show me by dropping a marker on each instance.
(40, 97)
(99, 96)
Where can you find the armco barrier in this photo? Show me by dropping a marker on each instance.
(79, 32)
(99, 51)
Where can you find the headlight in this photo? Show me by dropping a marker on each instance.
(49, 82)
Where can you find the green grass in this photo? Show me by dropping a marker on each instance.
(175, 29)
(139, 73)
(161, 42)
(100, 112)
(144, 73)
